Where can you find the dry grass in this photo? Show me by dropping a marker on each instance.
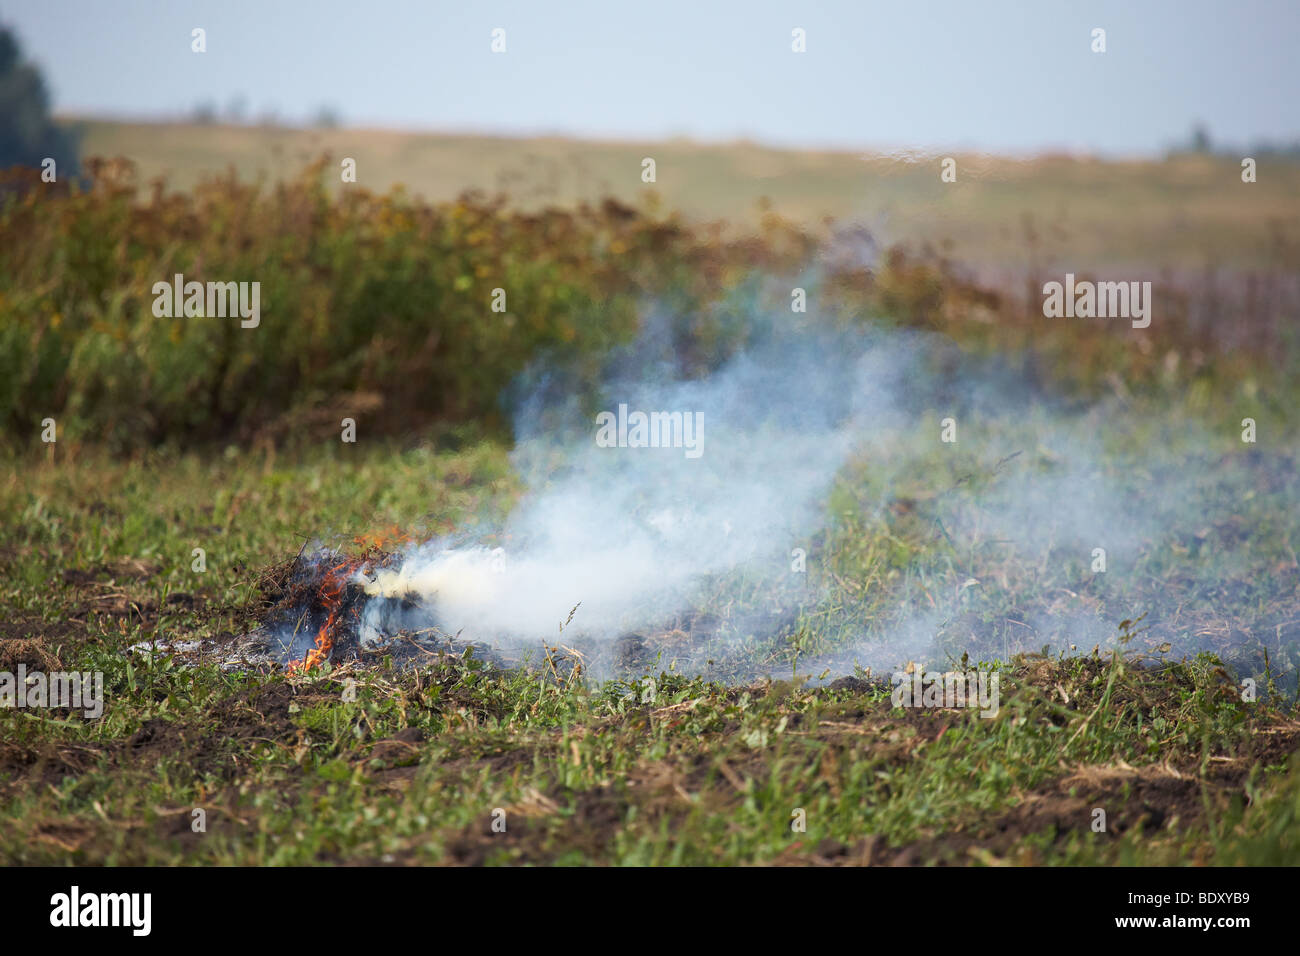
(1086, 213)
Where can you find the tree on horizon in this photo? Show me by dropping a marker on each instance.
(28, 133)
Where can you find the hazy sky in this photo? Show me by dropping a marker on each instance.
(983, 74)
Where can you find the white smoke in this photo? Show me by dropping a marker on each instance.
(628, 532)
(632, 536)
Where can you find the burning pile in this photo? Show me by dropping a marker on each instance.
(335, 603)
(330, 604)
(331, 593)
(315, 603)
(312, 605)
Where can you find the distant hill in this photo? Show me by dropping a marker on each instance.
(1185, 211)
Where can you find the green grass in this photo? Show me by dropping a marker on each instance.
(683, 770)
(706, 753)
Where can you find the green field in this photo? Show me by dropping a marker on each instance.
(748, 727)
(681, 769)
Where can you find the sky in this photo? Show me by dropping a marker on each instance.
(982, 75)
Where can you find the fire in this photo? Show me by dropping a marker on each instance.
(336, 586)
(331, 594)
(384, 538)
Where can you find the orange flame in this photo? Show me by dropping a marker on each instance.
(331, 592)
(333, 588)
(384, 538)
